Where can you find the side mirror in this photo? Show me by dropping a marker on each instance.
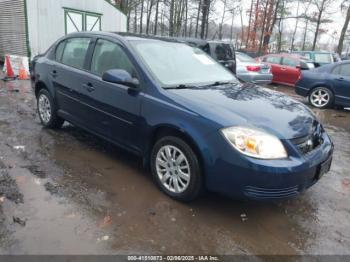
(119, 76)
(302, 67)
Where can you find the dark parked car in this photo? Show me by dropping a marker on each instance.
(186, 115)
(326, 86)
(222, 52)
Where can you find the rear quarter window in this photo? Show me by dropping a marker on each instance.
(59, 51)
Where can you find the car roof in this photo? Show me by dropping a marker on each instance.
(122, 36)
(295, 56)
(312, 52)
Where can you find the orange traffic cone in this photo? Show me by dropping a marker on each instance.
(9, 70)
(22, 73)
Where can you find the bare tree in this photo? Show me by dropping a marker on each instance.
(345, 5)
(295, 27)
(205, 17)
(321, 6)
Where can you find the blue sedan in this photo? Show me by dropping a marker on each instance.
(326, 86)
(186, 115)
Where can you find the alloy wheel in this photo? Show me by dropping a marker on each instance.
(44, 108)
(320, 98)
(173, 169)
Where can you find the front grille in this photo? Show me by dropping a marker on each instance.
(270, 193)
(309, 143)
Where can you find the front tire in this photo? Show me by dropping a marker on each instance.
(176, 169)
(321, 97)
(47, 110)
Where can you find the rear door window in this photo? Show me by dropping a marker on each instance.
(306, 55)
(336, 70)
(74, 53)
(109, 55)
(223, 52)
(345, 70)
(290, 62)
(273, 60)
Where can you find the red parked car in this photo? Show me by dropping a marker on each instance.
(286, 68)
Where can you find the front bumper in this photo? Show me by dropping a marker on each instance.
(236, 175)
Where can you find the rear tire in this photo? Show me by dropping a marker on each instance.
(176, 169)
(47, 110)
(321, 97)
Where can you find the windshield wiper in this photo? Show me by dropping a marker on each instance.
(219, 83)
(182, 86)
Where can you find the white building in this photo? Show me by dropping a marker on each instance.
(29, 27)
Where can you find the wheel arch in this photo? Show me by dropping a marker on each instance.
(325, 85)
(39, 86)
(171, 130)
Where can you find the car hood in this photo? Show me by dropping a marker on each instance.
(248, 105)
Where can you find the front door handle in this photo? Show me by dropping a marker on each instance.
(89, 87)
(340, 79)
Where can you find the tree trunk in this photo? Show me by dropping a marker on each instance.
(135, 20)
(149, 13)
(141, 18)
(156, 18)
(343, 32)
(186, 18)
(205, 18)
(271, 27)
(280, 28)
(263, 28)
(222, 20)
(242, 29)
(318, 23)
(205, 11)
(249, 24)
(305, 34)
(197, 18)
(296, 27)
(232, 21)
(317, 30)
(171, 22)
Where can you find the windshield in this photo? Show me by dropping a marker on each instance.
(174, 64)
(244, 58)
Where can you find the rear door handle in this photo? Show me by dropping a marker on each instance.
(89, 87)
(54, 73)
(340, 79)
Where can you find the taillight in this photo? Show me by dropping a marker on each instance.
(253, 68)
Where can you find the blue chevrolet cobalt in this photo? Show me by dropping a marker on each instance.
(187, 116)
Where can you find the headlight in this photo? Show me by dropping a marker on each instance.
(255, 143)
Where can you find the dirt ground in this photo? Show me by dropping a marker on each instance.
(67, 192)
